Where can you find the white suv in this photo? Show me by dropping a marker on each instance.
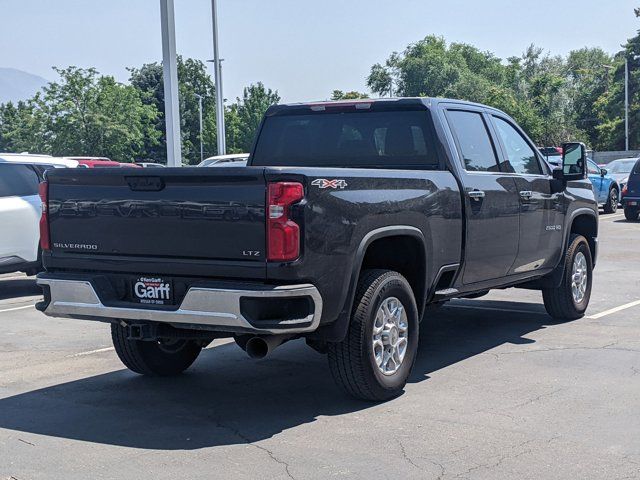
(20, 207)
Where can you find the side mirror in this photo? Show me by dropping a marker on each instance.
(574, 161)
(603, 172)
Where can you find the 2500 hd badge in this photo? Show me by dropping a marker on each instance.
(152, 291)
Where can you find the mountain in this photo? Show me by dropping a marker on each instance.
(18, 85)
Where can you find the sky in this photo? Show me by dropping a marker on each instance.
(303, 48)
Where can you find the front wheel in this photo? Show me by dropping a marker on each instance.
(375, 359)
(611, 205)
(631, 213)
(159, 358)
(570, 300)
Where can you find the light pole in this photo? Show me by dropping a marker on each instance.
(626, 103)
(217, 69)
(170, 75)
(199, 97)
(626, 100)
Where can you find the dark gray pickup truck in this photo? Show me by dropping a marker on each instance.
(349, 220)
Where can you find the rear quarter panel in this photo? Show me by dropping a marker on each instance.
(336, 221)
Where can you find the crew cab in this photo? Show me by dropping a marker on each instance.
(350, 219)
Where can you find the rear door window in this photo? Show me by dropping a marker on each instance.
(373, 139)
(520, 155)
(474, 143)
(17, 180)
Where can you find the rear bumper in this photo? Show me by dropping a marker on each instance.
(631, 201)
(245, 310)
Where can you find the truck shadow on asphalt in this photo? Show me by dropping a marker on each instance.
(18, 287)
(227, 398)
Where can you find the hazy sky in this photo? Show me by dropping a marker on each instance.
(303, 48)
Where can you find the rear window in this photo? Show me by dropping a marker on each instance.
(355, 139)
(18, 180)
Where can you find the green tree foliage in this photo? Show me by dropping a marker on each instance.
(609, 106)
(538, 90)
(81, 114)
(352, 95)
(243, 118)
(192, 79)
(22, 127)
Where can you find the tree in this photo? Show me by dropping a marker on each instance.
(192, 79)
(88, 114)
(81, 114)
(244, 117)
(352, 95)
(22, 127)
(533, 88)
(610, 105)
(589, 77)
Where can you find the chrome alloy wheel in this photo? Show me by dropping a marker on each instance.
(579, 277)
(390, 336)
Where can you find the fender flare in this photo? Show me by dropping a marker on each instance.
(555, 277)
(337, 330)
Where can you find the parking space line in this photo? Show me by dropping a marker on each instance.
(91, 352)
(614, 310)
(16, 308)
(612, 217)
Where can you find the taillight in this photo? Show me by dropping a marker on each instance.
(43, 191)
(283, 234)
(624, 190)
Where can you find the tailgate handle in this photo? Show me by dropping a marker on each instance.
(145, 184)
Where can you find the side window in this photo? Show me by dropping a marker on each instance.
(17, 180)
(473, 140)
(593, 169)
(519, 153)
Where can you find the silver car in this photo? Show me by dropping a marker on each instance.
(620, 170)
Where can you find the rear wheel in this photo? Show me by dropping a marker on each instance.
(631, 213)
(375, 359)
(570, 300)
(159, 358)
(611, 205)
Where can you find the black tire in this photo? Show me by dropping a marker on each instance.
(631, 213)
(611, 205)
(153, 358)
(352, 361)
(560, 302)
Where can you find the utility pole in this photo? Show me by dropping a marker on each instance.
(199, 97)
(626, 103)
(217, 68)
(170, 75)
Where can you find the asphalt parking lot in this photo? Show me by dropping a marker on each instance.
(499, 390)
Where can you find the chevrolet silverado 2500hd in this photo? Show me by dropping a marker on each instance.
(349, 220)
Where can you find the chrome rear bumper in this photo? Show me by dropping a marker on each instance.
(219, 308)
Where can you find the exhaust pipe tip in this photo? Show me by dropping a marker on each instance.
(257, 348)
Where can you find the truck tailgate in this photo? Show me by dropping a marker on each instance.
(187, 213)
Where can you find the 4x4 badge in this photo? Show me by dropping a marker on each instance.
(324, 183)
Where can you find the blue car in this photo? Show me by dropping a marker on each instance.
(605, 187)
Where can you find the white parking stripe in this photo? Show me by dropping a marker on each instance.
(91, 352)
(611, 217)
(16, 308)
(614, 310)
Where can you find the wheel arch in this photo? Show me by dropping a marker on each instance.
(582, 221)
(372, 253)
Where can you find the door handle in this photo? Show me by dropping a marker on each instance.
(526, 194)
(476, 195)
